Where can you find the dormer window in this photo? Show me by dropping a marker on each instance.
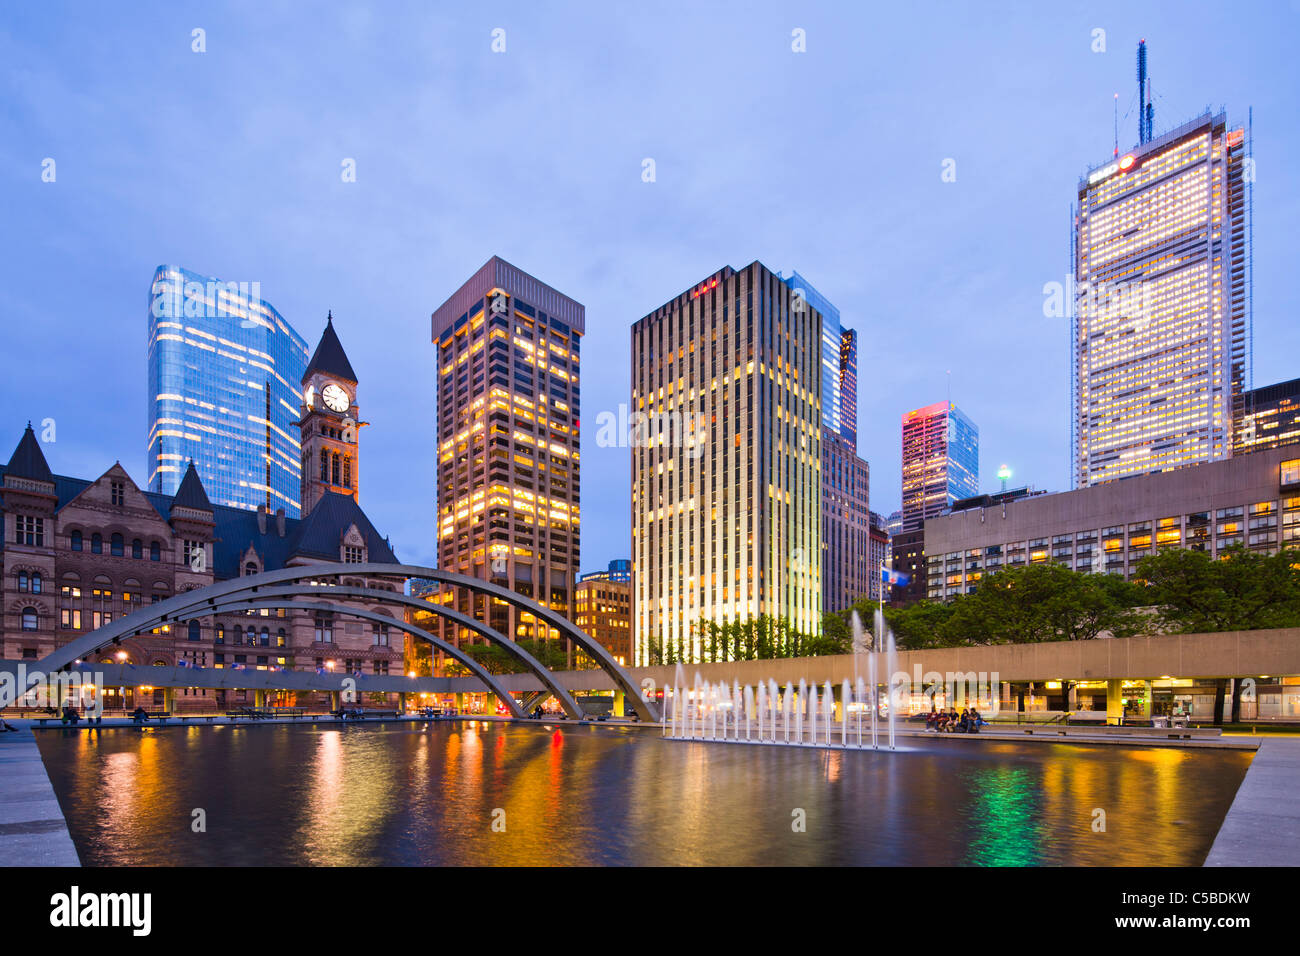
(118, 491)
(353, 555)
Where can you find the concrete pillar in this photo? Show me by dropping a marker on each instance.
(169, 699)
(401, 703)
(1072, 702)
(460, 703)
(1148, 705)
(1114, 701)
(259, 699)
(620, 709)
(335, 700)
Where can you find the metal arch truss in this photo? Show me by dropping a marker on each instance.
(247, 593)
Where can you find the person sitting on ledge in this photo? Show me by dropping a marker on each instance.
(954, 719)
(139, 715)
(931, 718)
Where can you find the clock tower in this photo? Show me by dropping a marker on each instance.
(330, 423)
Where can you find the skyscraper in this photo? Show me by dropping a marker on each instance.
(941, 461)
(846, 539)
(508, 417)
(1161, 323)
(1271, 418)
(726, 492)
(839, 357)
(847, 568)
(224, 376)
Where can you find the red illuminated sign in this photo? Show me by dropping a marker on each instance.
(704, 287)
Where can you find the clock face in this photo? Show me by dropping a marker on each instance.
(309, 396)
(336, 398)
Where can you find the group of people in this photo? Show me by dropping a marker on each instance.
(968, 721)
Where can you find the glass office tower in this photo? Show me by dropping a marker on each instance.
(1161, 307)
(224, 392)
(839, 353)
(941, 461)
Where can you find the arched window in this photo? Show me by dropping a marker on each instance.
(137, 549)
(250, 568)
(30, 620)
(280, 638)
(155, 551)
(266, 638)
(324, 465)
(116, 545)
(22, 580)
(194, 631)
(37, 583)
(221, 634)
(334, 470)
(76, 541)
(239, 634)
(347, 472)
(96, 543)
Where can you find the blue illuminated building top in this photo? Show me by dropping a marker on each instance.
(225, 373)
(839, 362)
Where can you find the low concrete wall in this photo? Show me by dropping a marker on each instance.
(1226, 654)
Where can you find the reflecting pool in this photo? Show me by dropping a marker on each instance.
(487, 793)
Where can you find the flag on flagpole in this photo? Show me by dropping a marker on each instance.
(890, 576)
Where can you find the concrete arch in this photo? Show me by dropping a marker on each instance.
(451, 650)
(300, 582)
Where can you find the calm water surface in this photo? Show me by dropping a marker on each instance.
(426, 795)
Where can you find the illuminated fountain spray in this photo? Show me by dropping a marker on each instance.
(774, 714)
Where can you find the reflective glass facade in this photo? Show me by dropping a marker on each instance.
(1161, 324)
(839, 354)
(224, 391)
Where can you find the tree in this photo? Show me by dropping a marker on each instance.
(1242, 590)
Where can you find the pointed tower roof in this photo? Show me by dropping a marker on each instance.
(329, 356)
(28, 460)
(191, 494)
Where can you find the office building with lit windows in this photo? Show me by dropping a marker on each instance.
(508, 415)
(726, 483)
(847, 569)
(846, 538)
(941, 461)
(1249, 500)
(839, 354)
(603, 609)
(1161, 317)
(1270, 418)
(225, 372)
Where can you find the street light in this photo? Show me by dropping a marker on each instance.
(1004, 474)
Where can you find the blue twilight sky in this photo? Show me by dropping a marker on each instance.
(829, 161)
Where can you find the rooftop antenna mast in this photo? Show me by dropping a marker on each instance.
(1116, 125)
(1146, 111)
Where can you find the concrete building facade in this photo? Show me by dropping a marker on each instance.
(1251, 500)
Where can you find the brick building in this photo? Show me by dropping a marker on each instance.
(78, 553)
